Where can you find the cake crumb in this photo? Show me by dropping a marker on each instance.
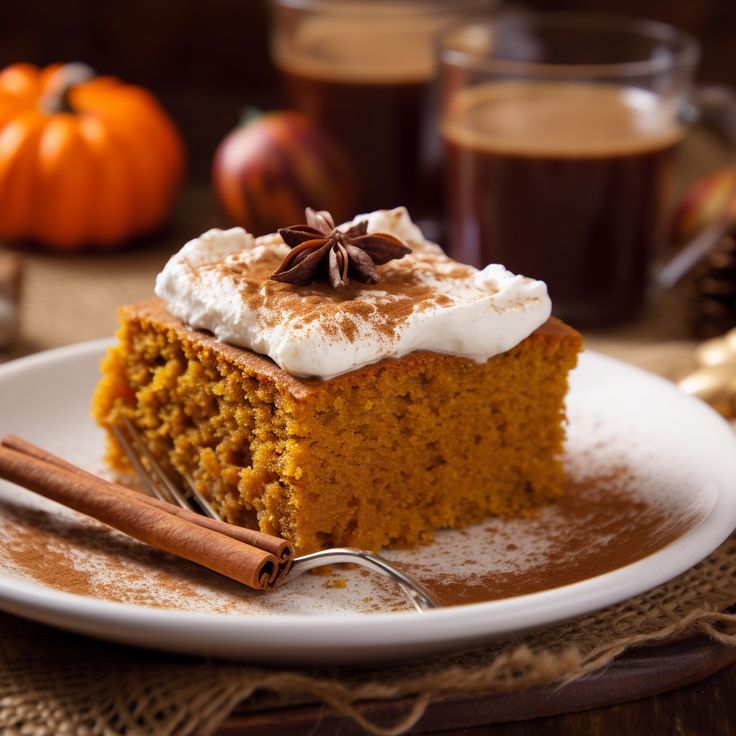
(336, 583)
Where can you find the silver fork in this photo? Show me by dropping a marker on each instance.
(158, 484)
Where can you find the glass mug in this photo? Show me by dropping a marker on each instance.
(560, 132)
(364, 70)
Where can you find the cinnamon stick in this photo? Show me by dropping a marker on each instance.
(278, 547)
(132, 515)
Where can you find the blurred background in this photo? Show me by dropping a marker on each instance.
(207, 61)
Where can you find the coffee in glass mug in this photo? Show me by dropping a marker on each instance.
(560, 133)
(364, 70)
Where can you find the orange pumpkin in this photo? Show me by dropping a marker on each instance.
(84, 160)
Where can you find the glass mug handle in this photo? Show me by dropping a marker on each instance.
(713, 107)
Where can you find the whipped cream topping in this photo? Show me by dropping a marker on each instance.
(424, 301)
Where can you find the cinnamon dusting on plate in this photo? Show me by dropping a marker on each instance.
(604, 522)
(601, 524)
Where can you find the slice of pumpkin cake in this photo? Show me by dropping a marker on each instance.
(345, 386)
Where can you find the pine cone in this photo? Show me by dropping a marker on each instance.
(710, 289)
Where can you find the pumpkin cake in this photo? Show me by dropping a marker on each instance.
(366, 416)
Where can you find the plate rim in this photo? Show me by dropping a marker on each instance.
(488, 620)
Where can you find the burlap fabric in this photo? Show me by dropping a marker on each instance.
(52, 682)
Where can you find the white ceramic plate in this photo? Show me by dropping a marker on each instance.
(653, 480)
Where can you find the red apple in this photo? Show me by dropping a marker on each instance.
(274, 165)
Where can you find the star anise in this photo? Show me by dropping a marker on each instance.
(320, 249)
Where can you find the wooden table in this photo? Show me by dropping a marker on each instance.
(705, 708)
(73, 298)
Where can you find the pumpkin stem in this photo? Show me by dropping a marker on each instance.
(56, 98)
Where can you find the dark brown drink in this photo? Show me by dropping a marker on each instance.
(369, 88)
(563, 182)
(378, 125)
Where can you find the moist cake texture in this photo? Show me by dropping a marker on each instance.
(380, 455)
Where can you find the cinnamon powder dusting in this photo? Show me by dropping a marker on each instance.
(74, 554)
(408, 286)
(85, 557)
(604, 522)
